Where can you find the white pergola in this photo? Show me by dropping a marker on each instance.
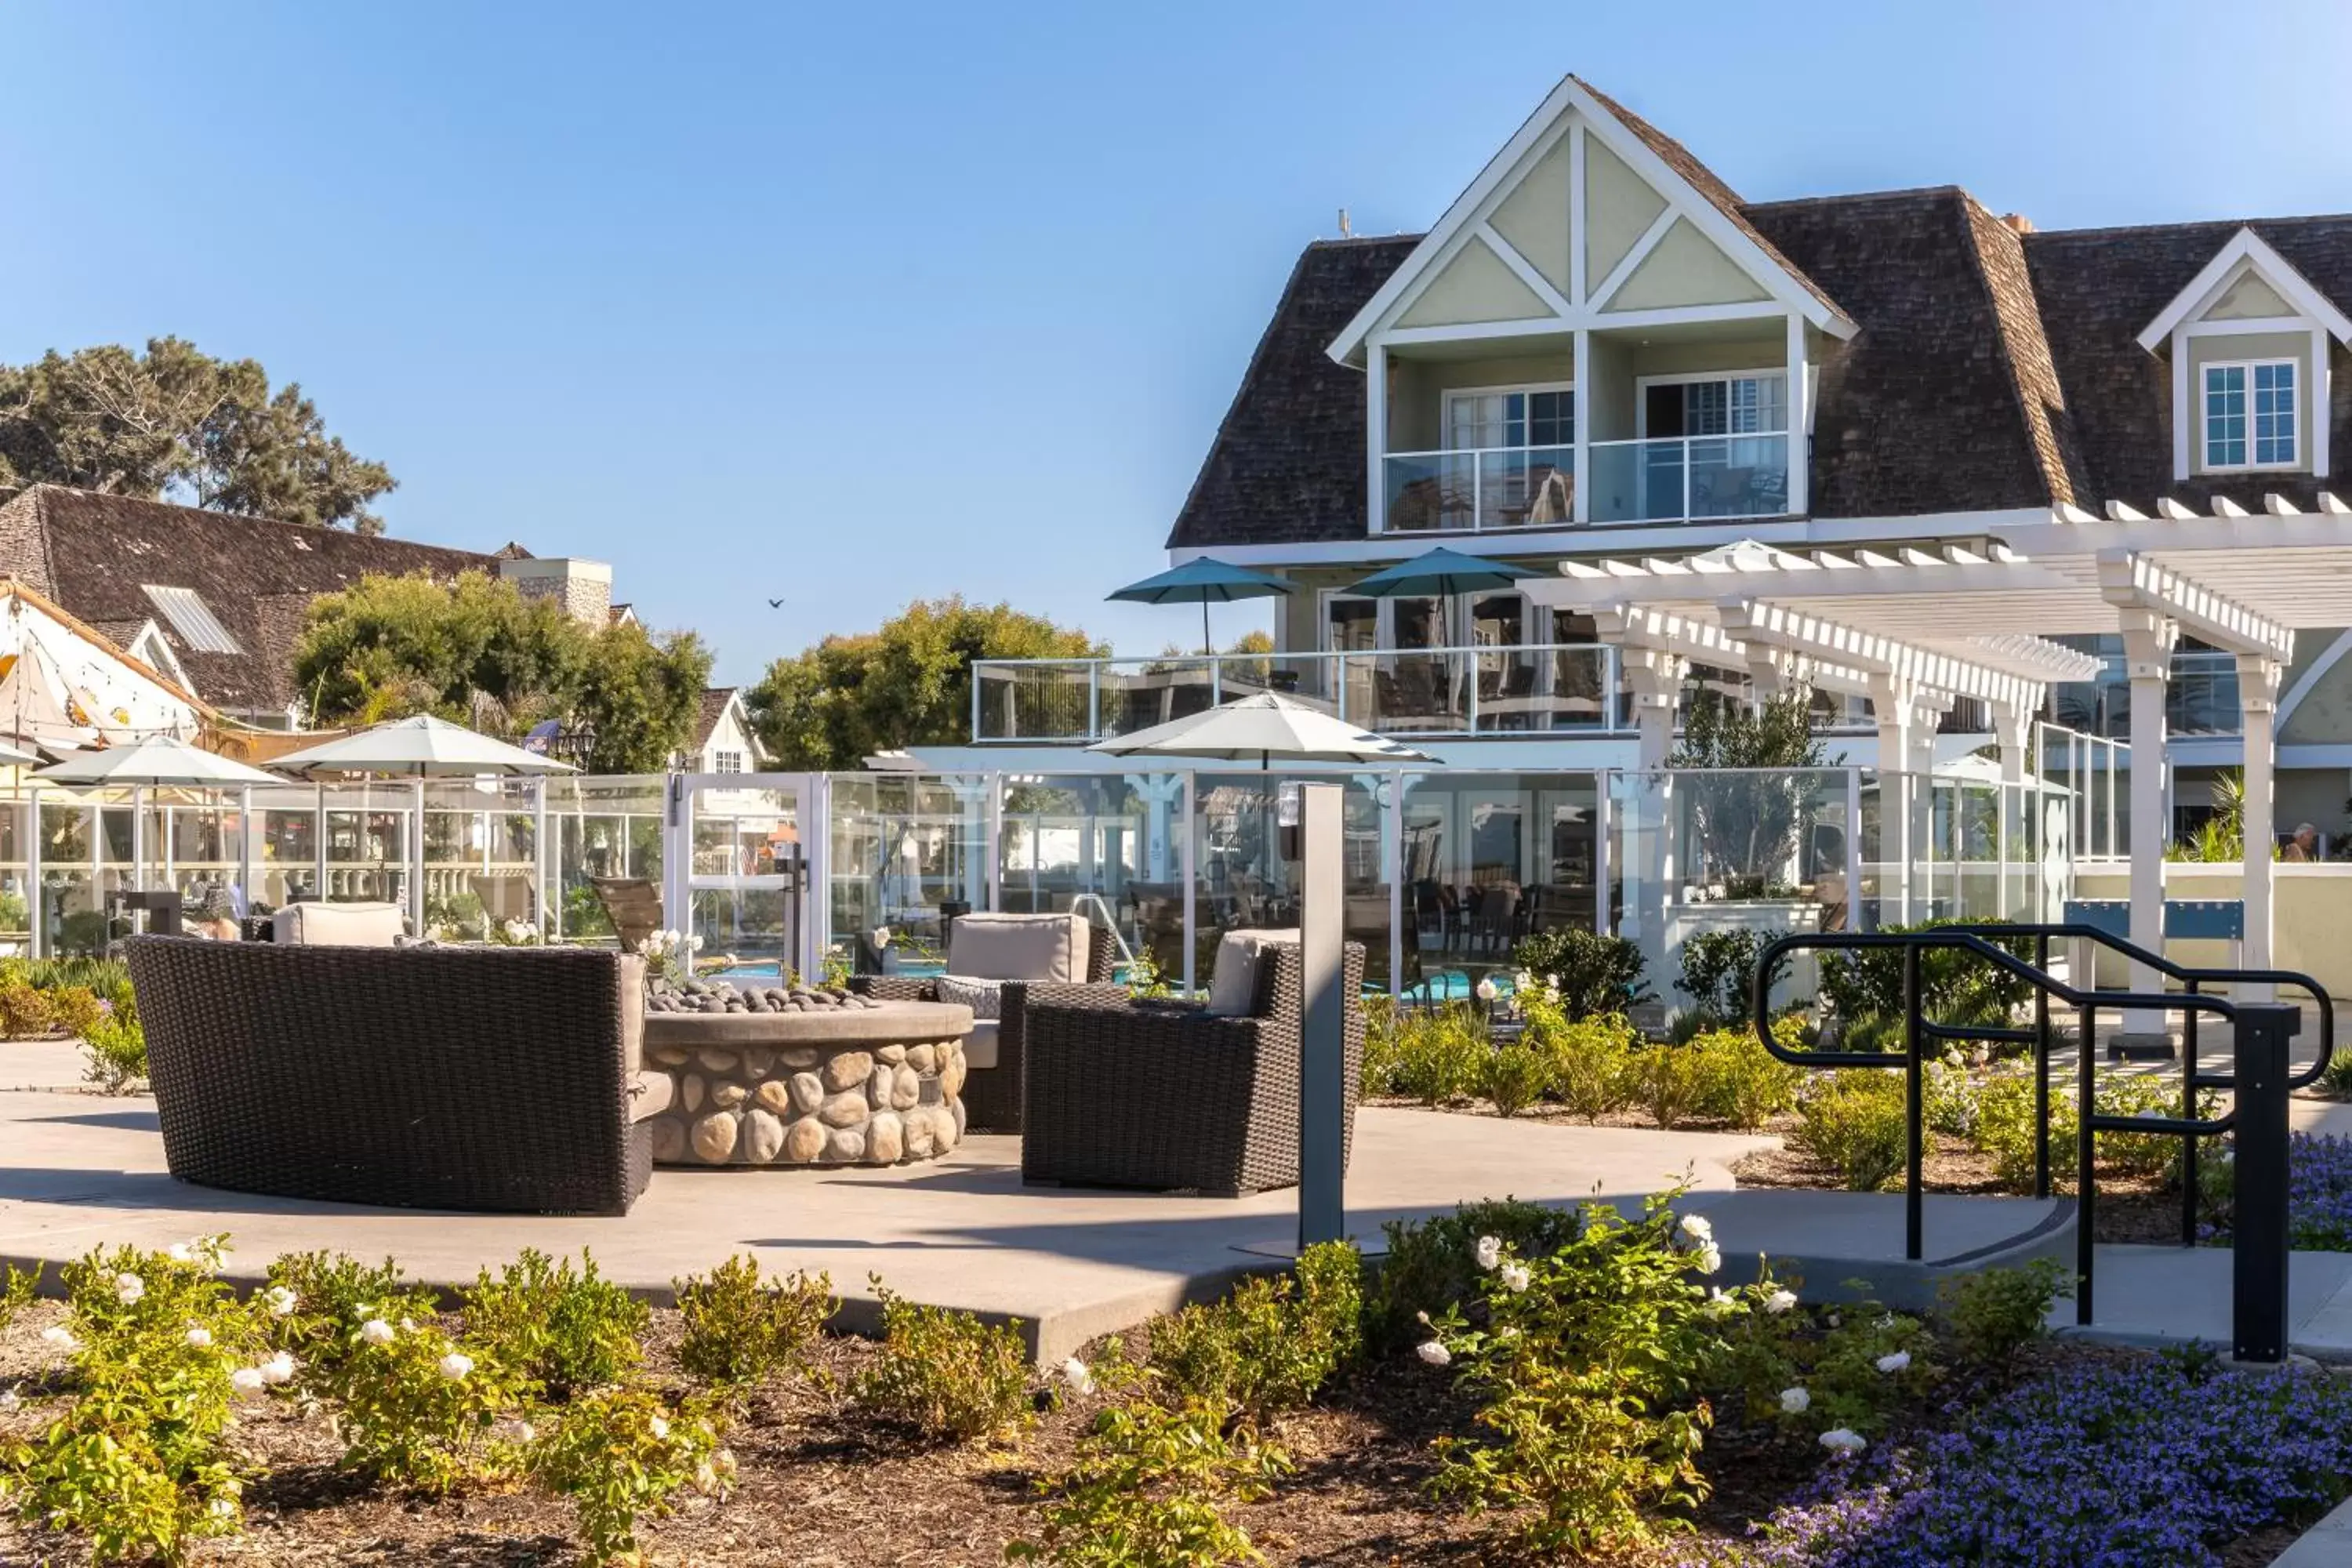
(1916, 626)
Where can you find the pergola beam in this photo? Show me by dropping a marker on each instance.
(1873, 653)
(2132, 581)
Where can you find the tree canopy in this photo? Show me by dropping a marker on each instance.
(174, 423)
(908, 683)
(478, 652)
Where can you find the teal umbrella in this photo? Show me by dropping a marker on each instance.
(1203, 582)
(1440, 574)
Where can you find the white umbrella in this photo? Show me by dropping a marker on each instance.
(16, 756)
(1261, 728)
(158, 759)
(420, 748)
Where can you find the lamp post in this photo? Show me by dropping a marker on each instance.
(1312, 813)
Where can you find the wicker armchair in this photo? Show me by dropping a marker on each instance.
(487, 1078)
(992, 1096)
(1162, 1095)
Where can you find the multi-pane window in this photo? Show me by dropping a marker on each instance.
(1479, 421)
(2250, 415)
(1736, 406)
(726, 762)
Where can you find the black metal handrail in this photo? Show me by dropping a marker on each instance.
(2262, 1029)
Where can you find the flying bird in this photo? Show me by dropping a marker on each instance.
(775, 603)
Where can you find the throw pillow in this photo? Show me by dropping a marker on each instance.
(984, 998)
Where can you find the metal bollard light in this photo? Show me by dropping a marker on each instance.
(2258, 1321)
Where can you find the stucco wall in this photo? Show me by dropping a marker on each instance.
(1533, 219)
(1619, 206)
(2311, 909)
(1687, 269)
(1417, 389)
(1473, 287)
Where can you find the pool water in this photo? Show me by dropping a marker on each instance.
(1441, 985)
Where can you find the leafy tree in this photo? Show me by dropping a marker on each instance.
(478, 652)
(174, 423)
(1747, 822)
(906, 684)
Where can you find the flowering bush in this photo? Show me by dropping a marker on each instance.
(1590, 975)
(1515, 1074)
(670, 955)
(740, 1330)
(946, 1374)
(1432, 1264)
(620, 1454)
(2147, 1461)
(137, 1462)
(1668, 1081)
(1853, 1121)
(1584, 1380)
(1996, 1312)
(1441, 1052)
(417, 1409)
(2006, 1123)
(1739, 1081)
(1144, 1489)
(566, 1331)
(1274, 1341)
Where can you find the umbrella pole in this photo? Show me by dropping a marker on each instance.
(416, 860)
(1208, 644)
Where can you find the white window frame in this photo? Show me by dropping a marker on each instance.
(2202, 412)
(726, 762)
(1642, 384)
(1445, 416)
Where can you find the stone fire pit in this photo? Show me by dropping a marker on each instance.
(874, 1085)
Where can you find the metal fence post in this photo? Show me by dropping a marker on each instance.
(2258, 1265)
(2086, 1175)
(1914, 1130)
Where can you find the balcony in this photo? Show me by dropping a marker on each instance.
(1482, 490)
(2201, 698)
(1679, 479)
(1535, 688)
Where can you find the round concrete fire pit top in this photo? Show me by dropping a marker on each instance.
(890, 1023)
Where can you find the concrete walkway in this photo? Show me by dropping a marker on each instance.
(2169, 1295)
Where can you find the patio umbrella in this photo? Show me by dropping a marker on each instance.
(157, 760)
(1440, 574)
(421, 748)
(1204, 582)
(16, 756)
(1266, 726)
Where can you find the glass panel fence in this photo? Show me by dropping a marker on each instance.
(1670, 479)
(905, 852)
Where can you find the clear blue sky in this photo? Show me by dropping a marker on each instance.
(847, 304)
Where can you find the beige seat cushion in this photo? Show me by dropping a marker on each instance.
(650, 1094)
(1233, 982)
(1019, 947)
(338, 925)
(979, 1045)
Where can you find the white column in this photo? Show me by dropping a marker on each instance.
(1376, 436)
(2258, 686)
(1580, 492)
(2148, 639)
(1800, 421)
(1654, 679)
(1892, 703)
(2010, 723)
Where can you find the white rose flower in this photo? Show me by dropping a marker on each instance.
(376, 1331)
(407, 1325)
(1890, 1364)
(1781, 1302)
(199, 1337)
(60, 1336)
(1796, 1401)
(1434, 1353)
(180, 1252)
(222, 1508)
(1514, 1278)
(1696, 1227)
(10, 1401)
(248, 1381)
(694, 944)
(1719, 1305)
(1708, 1258)
(1487, 990)
(128, 1288)
(1079, 1375)
(526, 1432)
(1842, 1440)
(279, 1368)
(706, 1479)
(1490, 1252)
(457, 1364)
(280, 1301)
(657, 1426)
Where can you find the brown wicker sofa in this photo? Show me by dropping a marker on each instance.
(488, 1078)
(993, 1095)
(1166, 1095)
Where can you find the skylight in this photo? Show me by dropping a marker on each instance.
(192, 618)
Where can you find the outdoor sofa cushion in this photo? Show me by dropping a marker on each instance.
(338, 925)
(979, 1045)
(1233, 982)
(984, 998)
(1019, 947)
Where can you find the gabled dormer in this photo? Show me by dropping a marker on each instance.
(2248, 342)
(1593, 332)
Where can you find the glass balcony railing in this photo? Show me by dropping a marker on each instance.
(1470, 492)
(1519, 690)
(1684, 477)
(2201, 698)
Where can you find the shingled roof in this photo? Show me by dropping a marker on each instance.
(96, 554)
(715, 700)
(1991, 370)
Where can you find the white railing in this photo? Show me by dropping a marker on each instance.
(1674, 478)
(1472, 490)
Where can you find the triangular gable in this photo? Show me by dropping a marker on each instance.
(1683, 267)
(2221, 291)
(1516, 195)
(1476, 286)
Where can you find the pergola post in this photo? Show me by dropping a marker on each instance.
(1655, 679)
(1892, 703)
(2258, 686)
(2148, 640)
(2010, 723)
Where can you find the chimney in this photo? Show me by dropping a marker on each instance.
(584, 588)
(2017, 223)
(1344, 232)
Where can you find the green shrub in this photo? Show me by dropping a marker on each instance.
(738, 1331)
(2338, 1077)
(74, 1010)
(1590, 1059)
(1870, 1363)
(114, 1052)
(1583, 1383)
(1955, 986)
(327, 1295)
(1854, 1122)
(1953, 1105)
(1739, 1081)
(418, 1407)
(1441, 1052)
(1381, 1055)
(1595, 976)
(15, 1290)
(24, 1010)
(138, 1462)
(1431, 1264)
(1668, 1081)
(1996, 1312)
(1273, 1342)
(1145, 1488)
(1718, 970)
(2005, 1123)
(566, 1331)
(1515, 1075)
(946, 1374)
(620, 1454)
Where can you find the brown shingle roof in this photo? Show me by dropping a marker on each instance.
(95, 553)
(714, 708)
